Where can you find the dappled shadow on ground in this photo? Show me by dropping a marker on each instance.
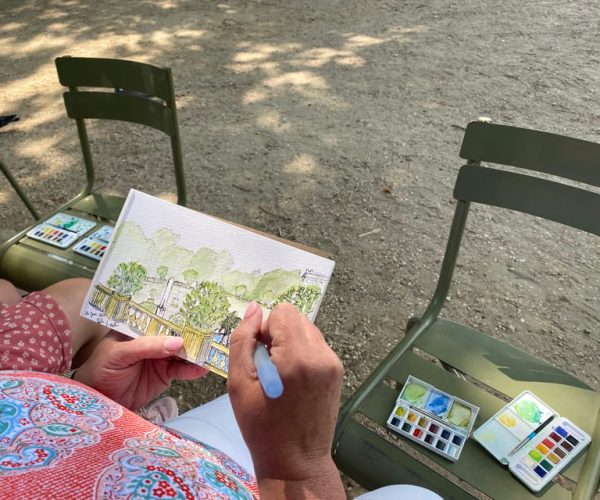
(238, 74)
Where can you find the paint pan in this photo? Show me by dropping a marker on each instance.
(433, 418)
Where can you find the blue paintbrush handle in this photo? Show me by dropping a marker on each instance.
(267, 372)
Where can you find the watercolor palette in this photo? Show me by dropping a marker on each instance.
(432, 418)
(94, 246)
(532, 439)
(60, 230)
(52, 235)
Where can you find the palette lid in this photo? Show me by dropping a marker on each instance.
(512, 425)
(71, 223)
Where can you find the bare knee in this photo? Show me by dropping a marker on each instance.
(71, 285)
(8, 293)
(70, 295)
(73, 289)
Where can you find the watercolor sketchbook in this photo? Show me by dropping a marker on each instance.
(433, 418)
(532, 439)
(169, 270)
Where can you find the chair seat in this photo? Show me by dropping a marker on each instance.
(494, 364)
(32, 265)
(509, 370)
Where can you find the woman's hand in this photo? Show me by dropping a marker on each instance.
(289, 437)
(135, 371)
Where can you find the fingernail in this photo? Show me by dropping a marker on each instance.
(251, 309)
(173, 343)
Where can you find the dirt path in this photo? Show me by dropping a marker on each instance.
(338, 124)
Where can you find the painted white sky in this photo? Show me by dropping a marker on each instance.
(249, 250)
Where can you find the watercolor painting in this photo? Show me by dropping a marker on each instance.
(172, 271)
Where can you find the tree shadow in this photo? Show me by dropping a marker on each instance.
(249, 89)
(261, 90)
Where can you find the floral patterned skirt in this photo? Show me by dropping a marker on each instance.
(61, 439)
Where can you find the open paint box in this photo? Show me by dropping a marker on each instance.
(95, 245)
(61, 230)
(433, 418)
(532, 439)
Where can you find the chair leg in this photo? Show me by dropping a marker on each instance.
(412, 321)
(13, 182)
(588, 483)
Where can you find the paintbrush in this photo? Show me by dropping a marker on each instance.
(531, 436)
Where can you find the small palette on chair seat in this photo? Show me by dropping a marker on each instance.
(433, 418)
(61, 230)
(532, 439)
(94, 246)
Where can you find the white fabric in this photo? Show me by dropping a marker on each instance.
(214, 424)
(400, 492)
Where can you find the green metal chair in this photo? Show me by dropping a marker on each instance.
(475, 366)
(105, 89)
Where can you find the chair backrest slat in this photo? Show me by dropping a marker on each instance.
(114, 74)
(114, 106)
(116, 89)
(553, 154)
(548, 199)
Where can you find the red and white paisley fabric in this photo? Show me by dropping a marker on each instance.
(62, 439)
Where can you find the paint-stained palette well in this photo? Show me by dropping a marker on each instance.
(432, 418)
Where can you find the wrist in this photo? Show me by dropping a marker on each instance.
(290, 462)
(78, 375)
(75, 375)
(323, 482)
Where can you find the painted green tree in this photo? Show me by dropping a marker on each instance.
(273, 284)
(161, 272)
(302, 296)
(190, 275)
(206, 306)
(149, 306)
(230, 322)
(267, 297)
(128, 278)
